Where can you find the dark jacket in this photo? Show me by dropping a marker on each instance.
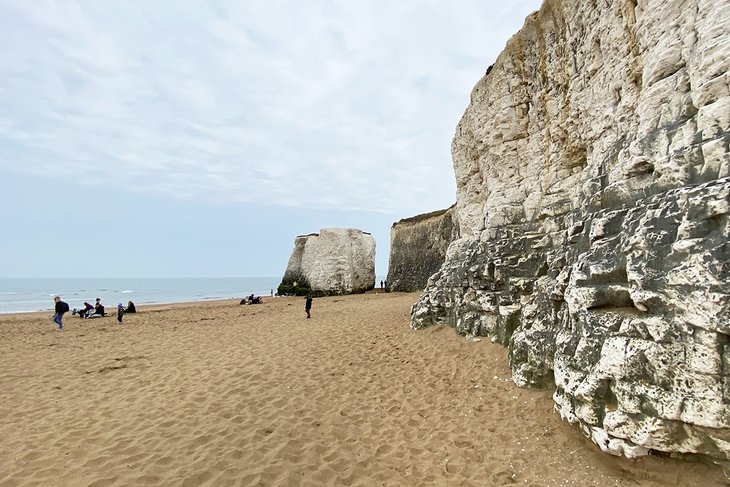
(61, 307)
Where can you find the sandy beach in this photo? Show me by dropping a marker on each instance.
(220, 394)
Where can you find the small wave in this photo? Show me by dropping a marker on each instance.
(126, 291)
(12, 312)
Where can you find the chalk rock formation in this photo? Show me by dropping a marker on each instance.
(418, 248)
(593, 196)
(334, 261)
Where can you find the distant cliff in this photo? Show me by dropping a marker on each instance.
(333, 261)
(593, 200)
(418, 248)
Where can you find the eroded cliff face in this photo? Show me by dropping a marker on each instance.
(334, 261)
(593, 193)
(418, 248)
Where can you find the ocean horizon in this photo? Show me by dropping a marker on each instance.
(25, 295)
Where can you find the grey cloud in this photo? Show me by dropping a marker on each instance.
(320, 104)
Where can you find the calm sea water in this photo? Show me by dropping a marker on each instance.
(21, 294)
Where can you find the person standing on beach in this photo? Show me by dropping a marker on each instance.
(120, 312)
(60, 309)
(308, 305)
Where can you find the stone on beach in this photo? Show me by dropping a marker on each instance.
(333, 261)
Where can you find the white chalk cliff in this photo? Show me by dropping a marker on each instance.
(418, 248)
(593, 196)
(334, 261)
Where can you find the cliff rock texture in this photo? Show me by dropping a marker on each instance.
(334, 261)
(418, 248)
(593, 194)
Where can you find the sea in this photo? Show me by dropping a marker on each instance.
(18, 295)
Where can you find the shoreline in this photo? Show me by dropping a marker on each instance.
(138, 306)
(265, 298)
(144, 306)
(31, 295)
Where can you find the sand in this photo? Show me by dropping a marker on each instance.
(221, 394)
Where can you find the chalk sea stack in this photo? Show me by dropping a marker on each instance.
(418, 248)
(593, 194)
(333, 261)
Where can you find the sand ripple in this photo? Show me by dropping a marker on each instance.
(220, 394)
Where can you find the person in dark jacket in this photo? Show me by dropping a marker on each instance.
(308, 305)
(60, 309)
(120, 312)
(130, 308)
(98, 310)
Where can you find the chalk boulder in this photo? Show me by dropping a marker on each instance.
(333, 261)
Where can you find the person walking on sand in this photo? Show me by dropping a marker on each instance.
(308, 305)
(60, 309)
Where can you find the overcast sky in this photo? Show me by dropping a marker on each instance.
(198, 138)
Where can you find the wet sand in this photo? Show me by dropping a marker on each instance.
(220, 394)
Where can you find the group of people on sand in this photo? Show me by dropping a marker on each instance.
(88, 311)
(251, 300)
(98, 311)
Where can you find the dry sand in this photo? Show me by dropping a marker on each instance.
(221, 394)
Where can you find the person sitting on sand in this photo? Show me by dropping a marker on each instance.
(251, 300)
(88, 308)
(98, 310)
(130, 308)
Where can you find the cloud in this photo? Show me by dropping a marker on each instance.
(319, 104)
